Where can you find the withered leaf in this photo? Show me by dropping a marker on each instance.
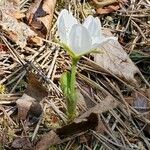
(28, 104)
(85, 124)
(17, 31)
(115, 60)
(51, 138)
(22, 143)
(40, 16)
(35, 88)
(89, 120)
(108, 9)
(108, 103)
(23, 104)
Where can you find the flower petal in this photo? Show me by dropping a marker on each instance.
(62, 30)
(65, 22)
(94, 27)
(79, 39)
(103, 41)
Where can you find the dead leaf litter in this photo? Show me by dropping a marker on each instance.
(113, 83)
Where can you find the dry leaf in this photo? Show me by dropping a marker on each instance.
(40, 16)
(108, 9)
(22, 143)
(108, 6)
(89, 120)
(23, 104)
(47, 140)
(108, 103)
(101, 128)
(28, 104)
(115, 60)
(19, 32)
(18, 15)
(35, 88)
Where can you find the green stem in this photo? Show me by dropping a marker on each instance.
(73, 76)
(72, 99)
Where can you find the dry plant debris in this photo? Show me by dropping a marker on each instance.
(116, 61)
(113, 85)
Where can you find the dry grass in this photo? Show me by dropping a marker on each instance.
(123, 127)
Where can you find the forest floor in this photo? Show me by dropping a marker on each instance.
(113, 89)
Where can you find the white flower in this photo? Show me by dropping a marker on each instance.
(80, 39)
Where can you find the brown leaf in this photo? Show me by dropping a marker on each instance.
(36, 40)
(28, 104)
(108, 103)
(108, 9)
(22, 143)
(103, 3)
(40, 15)
(108, 6)
(89, 120)
(115, 60)
(51, 138)
(18, 15)
(18, 32)
(23, 104)
(35, 88)
(101, 127)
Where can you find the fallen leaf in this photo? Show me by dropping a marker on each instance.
(108, 9)
(18, 15)
(40, 15)
(114, 59)
(23, 104)
(101, 128)
(108, 103)
(22, 143)
(17, 31)
(28, 104)
(35, 88)
(89, 120)
(108, 6)
(87, 95)
(84, 124)
(51, 138)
